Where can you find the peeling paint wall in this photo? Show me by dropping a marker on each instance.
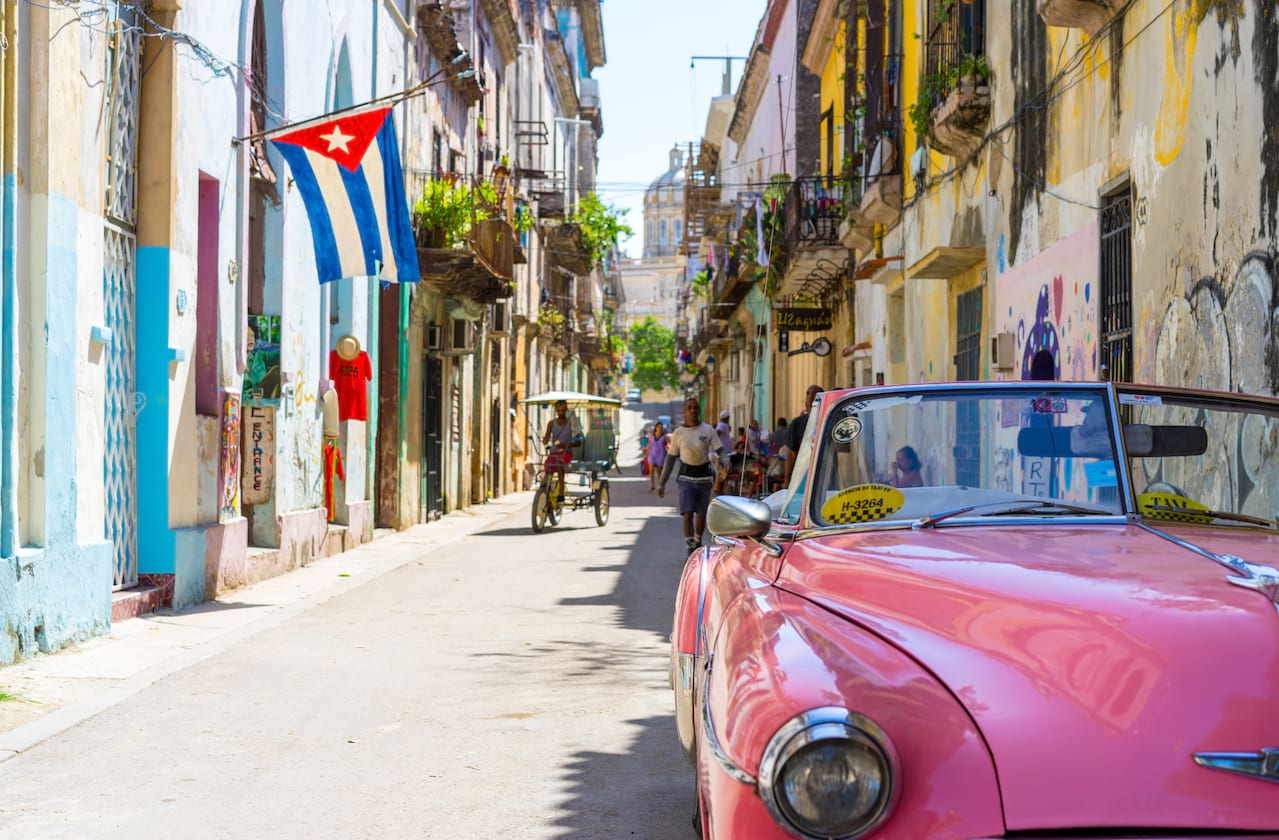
(1178, 101)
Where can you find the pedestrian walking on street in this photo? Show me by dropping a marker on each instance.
(691, 446)
(725, 432)
(656, 454)
(795, 430)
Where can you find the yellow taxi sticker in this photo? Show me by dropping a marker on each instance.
(1171, 507)
(863, 503)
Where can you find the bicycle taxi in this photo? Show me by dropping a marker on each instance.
(581, 482)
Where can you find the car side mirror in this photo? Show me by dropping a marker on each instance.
(737, 516)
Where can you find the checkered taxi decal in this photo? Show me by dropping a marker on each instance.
(1170, 507)
(863, 503)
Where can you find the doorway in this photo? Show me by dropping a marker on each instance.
(432, 489)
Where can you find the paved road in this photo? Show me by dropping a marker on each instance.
(503, 685)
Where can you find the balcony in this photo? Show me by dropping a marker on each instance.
(815, 208)
(1088, 15)
(564, 248)
(701, 193)
(436, 24)
(956, 93)
(882, 201)
(482, 271)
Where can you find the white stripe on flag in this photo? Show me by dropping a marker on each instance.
(346, 233)
(376, 178)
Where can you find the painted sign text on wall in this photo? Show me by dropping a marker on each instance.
(258, 455)
(804, 320)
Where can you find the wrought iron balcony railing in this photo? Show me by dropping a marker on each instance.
(814, 209)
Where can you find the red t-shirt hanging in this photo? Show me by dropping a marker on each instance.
(350, 379)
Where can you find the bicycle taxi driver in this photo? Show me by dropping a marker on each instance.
(563, 432)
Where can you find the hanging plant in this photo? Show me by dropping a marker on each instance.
(601, 225)
(444, 213)
(551, 320)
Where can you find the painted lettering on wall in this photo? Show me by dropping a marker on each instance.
(259, 454)
(804, 320)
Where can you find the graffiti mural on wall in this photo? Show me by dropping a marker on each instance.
(1048, 303)
(1221, 335)
(230, 457)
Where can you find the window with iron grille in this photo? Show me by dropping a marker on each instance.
(955, 29)
(1115, 312)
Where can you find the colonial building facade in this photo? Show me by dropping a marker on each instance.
(169, 424)
(1091, 179)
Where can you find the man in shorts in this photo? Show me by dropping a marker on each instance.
(563, 432)
(691, 446)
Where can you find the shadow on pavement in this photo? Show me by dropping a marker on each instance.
(644, 789)
(608, 798)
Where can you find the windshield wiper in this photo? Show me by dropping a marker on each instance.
(1025, 506)
(1216, 514)
(1062, 507)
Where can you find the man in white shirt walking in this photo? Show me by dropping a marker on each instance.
(691, 446)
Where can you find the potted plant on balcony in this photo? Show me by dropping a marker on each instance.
(551, 321)
(972, 70)
(442, 214)
(601, 225)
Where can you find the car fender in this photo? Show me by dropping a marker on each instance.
(775, 656)
(686, 641)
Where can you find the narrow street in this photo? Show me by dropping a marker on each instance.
(503, 685)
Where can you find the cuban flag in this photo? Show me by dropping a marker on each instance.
(348, 172)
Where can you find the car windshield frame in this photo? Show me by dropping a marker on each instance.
(802, 508)
(1230, 505)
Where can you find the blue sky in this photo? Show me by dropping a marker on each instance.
(650, 98)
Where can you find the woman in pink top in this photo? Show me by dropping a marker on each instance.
(656, 455)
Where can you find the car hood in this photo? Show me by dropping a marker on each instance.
(1095, 660)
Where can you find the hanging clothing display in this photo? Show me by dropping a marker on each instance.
(351, 377)
(333, 468)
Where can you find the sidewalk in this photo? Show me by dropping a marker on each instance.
(49, 694)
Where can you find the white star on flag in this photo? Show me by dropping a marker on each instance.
(337, 139)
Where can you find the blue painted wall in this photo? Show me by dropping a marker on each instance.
(155, 538)
(60, 593)
(8, 373)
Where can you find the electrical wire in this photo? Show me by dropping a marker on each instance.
(1045, 97)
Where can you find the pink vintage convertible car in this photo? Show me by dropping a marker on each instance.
(981, 610)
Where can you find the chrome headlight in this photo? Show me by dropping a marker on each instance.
(828, 773)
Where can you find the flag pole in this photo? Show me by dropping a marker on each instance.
(392, 98)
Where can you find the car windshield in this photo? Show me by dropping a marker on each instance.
(1192, 456)
(933, 453)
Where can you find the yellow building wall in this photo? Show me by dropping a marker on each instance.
(832, 95)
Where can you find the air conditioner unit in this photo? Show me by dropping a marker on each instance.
(433, 337)
(1003, 351)
(502, 318)
(461, 338)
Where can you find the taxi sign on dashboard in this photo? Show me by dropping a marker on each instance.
(863, 503)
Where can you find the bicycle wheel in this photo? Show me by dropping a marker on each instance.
(601, 504)
(541, 509)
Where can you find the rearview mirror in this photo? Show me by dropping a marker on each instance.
(737, 516)
(1145, 441)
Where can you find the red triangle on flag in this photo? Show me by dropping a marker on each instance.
(343, 139)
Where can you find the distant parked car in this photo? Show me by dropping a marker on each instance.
(993, 610)
(665, 420)
(633, 395)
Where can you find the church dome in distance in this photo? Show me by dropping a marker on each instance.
(668, 188)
